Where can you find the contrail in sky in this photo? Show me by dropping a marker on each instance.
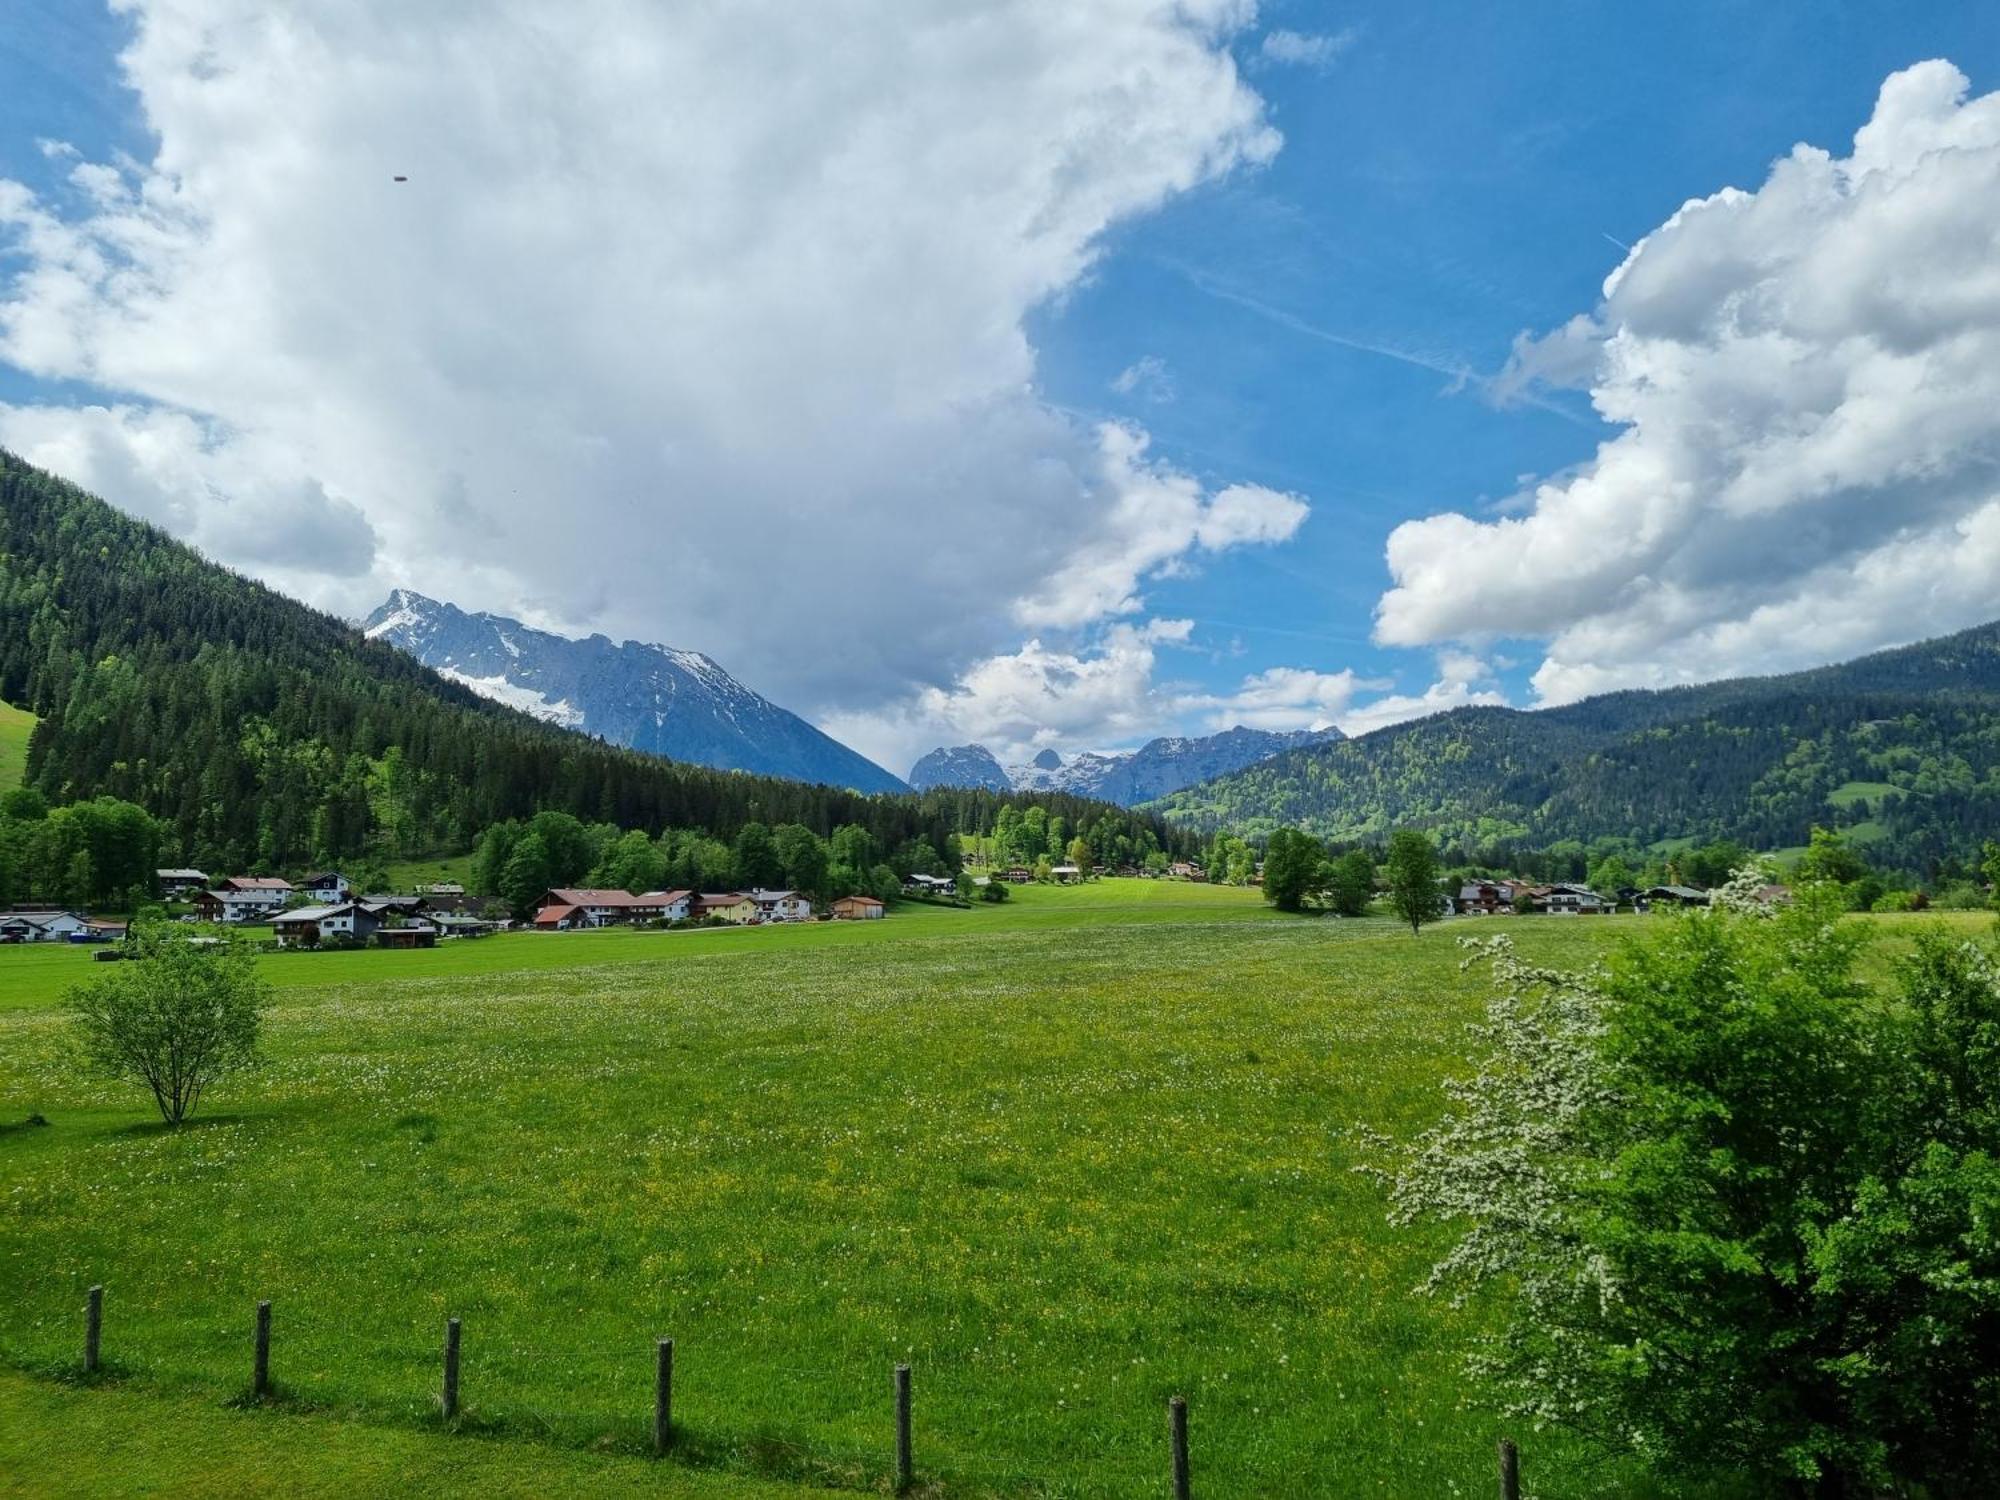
(1460, 374)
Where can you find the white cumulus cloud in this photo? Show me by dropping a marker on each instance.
(1157, 517)
(694, 323)
(1807, 379)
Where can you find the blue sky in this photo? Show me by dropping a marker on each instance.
(1320, 320)
(1456, 176)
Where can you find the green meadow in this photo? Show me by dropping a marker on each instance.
(16, 724)
(1065, 1157)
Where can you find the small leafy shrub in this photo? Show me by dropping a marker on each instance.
(185, 1014)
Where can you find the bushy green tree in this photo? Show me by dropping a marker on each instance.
(1294, 868)
(1412, 873)
(1350, 883)
(804, 859)
(178, 1016)
(758, 863)
(1612, 874)
(529, 873)
(1741, 1206)
(633, 864)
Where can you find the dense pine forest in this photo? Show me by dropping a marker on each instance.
(262, 734)
(1900, 750)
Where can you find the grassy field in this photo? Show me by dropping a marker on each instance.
(16, 724)
(120, 1439)
(408, 874)
(1065, 1156)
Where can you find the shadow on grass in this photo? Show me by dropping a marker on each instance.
(199, 1122)
(765, 1453)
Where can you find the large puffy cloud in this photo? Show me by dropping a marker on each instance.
(702, 323)
(230, 498)
(1808, 381)
(1018, 702)
(1158, 515)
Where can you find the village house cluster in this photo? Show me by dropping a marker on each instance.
(321, 909)
(1491, 898)
(572, 910)
(324, 909)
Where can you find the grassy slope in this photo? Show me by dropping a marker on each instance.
(1063, 1166)
(15, 726)
(408, 874)
(59, 1440)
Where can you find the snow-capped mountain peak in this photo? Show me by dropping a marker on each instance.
(664, 699)
(1159, 766)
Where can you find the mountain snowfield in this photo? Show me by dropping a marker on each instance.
(679, 704)
(1128, 777)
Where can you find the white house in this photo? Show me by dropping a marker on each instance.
(329, 888)
(930, 885)
(243, 898)
(40, 926)
(566, 909)
(309, 925)
(1572, 901)
(174, 884)
(782, 906)
(1066, 874)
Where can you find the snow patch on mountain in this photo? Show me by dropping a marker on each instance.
(1156, 768)
(671, 702)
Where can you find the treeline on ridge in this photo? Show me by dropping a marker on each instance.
(266, 735)
(1899, 750)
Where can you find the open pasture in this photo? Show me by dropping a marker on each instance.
(16, 724)
(1064, 1166)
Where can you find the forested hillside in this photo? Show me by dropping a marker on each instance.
(1902, 748)
(264, 733)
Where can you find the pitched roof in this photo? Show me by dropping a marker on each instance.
(862, 900)
(255, 883)
(548, 916)
(180, 875)
(310, 914)
(586, 897)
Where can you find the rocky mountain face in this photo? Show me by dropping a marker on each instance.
(960, 765)
(679, 704)
(1154, 769)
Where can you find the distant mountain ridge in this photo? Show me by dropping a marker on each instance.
(679, 704)
(1901, 747)
(1156, 768)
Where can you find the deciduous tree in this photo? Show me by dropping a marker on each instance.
(1412, 872)
(179, 1015)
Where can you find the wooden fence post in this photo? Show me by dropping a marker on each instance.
(663, 1396)
(905, 1468)
(1510, 1470)
(260, 1379)
(450, 1368)
(1177, 1437)
(93, 1329)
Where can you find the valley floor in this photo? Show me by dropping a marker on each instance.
(1065, 1157)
